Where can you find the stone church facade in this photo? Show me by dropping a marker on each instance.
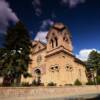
(54, 61)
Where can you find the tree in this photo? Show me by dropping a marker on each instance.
(17, 53)
(2, 51)
(5, 65)
(77, 82)
(94, 60)
(93, 63)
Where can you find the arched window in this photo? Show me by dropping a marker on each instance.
(52, 43)
(37, 71)
(65, 39)
(56, 41)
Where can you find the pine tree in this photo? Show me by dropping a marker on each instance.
(94, 60)
(93, 65)
(17, 55)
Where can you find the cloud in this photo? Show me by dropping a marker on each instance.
(41, 36)
(72, 3)
(84, 53)
(37, 7)
(6, 15)
(45, 24)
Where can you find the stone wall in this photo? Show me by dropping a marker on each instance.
(34, 93)
(1, 80)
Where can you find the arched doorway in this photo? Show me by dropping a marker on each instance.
(37, 76)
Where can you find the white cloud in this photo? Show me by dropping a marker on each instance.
(37, 7)
(42, 33)
(46, 23)
(84, 53)
(6, 15)
(72, 3)
(41, 36)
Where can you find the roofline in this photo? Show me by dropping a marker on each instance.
(39, 51)
(62, 50)
(79, 61)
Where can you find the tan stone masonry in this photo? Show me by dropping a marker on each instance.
(37, 93)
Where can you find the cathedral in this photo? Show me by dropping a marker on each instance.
(54, 61)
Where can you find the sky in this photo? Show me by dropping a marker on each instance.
(82, 17)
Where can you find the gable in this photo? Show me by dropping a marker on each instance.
(39, 46)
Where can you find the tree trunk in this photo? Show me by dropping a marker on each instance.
(6, 81)
(18, 80)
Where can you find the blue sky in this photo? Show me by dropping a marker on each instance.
(81, 16)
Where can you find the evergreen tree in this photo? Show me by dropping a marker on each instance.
(94, 62)
(16, 58)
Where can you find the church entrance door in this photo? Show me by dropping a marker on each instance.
(38, 76)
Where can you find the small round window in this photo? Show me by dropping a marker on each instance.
(39, 58)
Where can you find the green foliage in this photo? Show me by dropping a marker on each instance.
(51, 84)
(14, 57)
(98, 80)
(26, 74)
(34, 83)
(77, 82)
(42, 84)
(68, 84)
(90, 83)
(25, 84)
(94, 61)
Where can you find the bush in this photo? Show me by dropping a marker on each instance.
(25, 84)
(68, 84)
(34, 83)
(51, 84)
(98, 80)
(14, 85)
(77, 82)
(90, 83)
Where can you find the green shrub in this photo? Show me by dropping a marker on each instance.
(77, 82)
(68, 84)
(25, 84)
(98, 80)
(90, 83)
(34, 83)
(51, 84)
(14, 85)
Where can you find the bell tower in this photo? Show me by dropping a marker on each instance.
(59, 36)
